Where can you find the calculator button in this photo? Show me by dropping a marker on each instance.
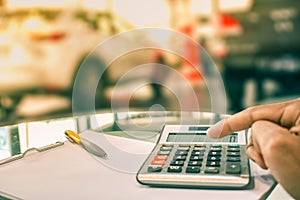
(177, 162)
(192, 158)
(200, 145)
(213, 163)
(214, 153)
(233, 150)
(176, 169)
(211, 170)
(163, 153)
(233, 168)
(163, 148)
(233, 159)
(183, 153)
(233, 154)
(160, 157)
(216, 146)
(183, 148)
(176, 157)
(195, 163)
(233, 146)
(154, 168)
(199, 148)
(192, 169)
(214, 158)
(158, 162)
(215, 149)
(198, 153)
(184, 145)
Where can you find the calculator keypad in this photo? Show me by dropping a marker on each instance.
(198, 158)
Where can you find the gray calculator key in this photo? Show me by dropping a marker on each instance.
(193, 169)
(233, 168)
(234, 146)
(192, 158)
(232, 154)
(216, 149)
(233, 150)
(166, 148)
(184, 145)
(163, 153)
(198, 153)
(212, 170)
(180, 152)
(199, 148)
(177, 162)
(179, 157)
(176, 169)
(213, 163)
(183, 148)
(154, 168)
(214, 153)
(233, 159)
(216, 146)
(195, 163)
(214, 158)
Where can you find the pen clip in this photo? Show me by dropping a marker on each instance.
(70, 139)
(73, 136)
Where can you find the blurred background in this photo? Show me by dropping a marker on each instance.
(254, 43)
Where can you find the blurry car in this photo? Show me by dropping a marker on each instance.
(42, 49)
(51, 44)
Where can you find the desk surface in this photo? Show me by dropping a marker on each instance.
(143, 127)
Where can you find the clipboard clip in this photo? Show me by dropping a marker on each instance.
(22, 155)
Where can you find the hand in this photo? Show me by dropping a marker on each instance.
(274, 140)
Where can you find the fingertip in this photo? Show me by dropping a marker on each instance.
(215, 131)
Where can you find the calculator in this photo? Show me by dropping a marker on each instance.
(185, 157)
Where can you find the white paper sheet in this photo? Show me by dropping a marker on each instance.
(279, 193)
(69, 172)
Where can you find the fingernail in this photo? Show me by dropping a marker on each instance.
(295, 129)
(215, 130)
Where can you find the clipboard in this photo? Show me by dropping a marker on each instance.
(64, 171)
(69, 172)
(22, 155)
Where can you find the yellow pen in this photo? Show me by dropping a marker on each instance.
(87, 145)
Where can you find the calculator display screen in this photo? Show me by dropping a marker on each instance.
(199, 137)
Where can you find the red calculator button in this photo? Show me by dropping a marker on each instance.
(158, 162)
(160, 157)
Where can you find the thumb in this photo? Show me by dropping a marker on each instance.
(254, 155)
